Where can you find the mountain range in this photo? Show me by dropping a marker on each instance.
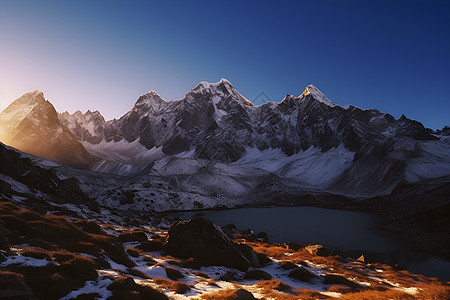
(215, 149)
(307, 142)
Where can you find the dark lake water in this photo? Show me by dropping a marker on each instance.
(354, 233)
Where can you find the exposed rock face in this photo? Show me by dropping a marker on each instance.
(318, 250)
(444, 131)
(218, 122)
(364, 152)
(25, 171)
(201, 239)
(31, 125)
(89, 127)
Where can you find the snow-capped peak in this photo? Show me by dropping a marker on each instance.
(33, 97)
(149, 98)
(204, 85)
(220, 88)
(316, 94)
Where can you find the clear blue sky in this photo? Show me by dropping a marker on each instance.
(389, 55)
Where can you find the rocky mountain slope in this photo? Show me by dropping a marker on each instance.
(306, 139)
(57, 243)
(31, 124)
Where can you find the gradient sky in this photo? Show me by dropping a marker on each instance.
(101, 55)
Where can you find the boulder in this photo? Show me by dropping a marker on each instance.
(262, 237)
(12, 286)
(317, 250)
(153, 245)
(132, 236)
(173, 274)
(123, 283)
(301, 274)
(242, 294)
(361, 258)
(293, 246)
(250, 255)
(339, 279)
(127, 288)
(90, 227)
(228, 276)
(258, 275)
(263, 259)
(229, 229)
(201, 239)
(287, 265)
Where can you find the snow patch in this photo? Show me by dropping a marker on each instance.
(317, 168)
(131, 153)
(98, 287)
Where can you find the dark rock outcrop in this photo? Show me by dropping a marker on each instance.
(301, 274)
(242, 294)
(317, 250)
(127, 288)
(338, 279)
(258, 275)
(173, 274)
(12, 286)
(201, 239)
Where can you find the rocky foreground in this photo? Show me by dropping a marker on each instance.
(63, 251)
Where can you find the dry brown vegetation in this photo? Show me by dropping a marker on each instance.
(35, 253)
(268, 286)
(379, 295)
(61, 241)
(179, 287)
(429, 288)
(134, 252)
(132, 236)
(162, 282)
(228, 294)
(126, 288)
(310, 295)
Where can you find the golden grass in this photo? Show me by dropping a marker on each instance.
(378, 295)
(268, 286)
(228, 294)
(133, 252)
(35, 253)
(212, 282)
(179, 287)
(434, 290)
(306, 294)
(62, 255)
(339, 289)
(162, 282)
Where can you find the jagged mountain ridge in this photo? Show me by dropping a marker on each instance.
(308, 141)
(218, 122)
(322, 145)
(31, 124)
